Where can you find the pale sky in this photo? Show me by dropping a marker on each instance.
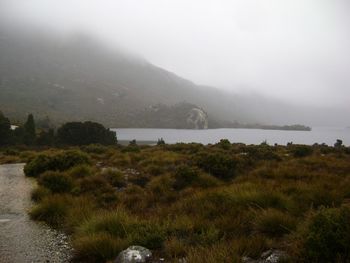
(296, 50)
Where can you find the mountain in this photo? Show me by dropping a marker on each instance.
(78, 78)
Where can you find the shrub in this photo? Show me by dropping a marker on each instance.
(161, 190)
(80, 171)
(56, 182)
(11, 152)
(114, 177)
(99, 188)
(224, 144)
(317, 195)
(69, 159)
(185, 176)
(95, 148)
(327, 236)
(39, 165)
(302, 151)
(40, 193)
(263, 152)
(59, 162)
(218, 164)
(206, 181)
(274, 223)
(154, 169)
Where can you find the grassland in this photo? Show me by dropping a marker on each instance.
(212, 203)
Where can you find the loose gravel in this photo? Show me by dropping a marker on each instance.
(21, 239)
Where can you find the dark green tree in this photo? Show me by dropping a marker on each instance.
(83, 133)
(5, 130)
(46, 138)
(29, 131)
(161, 141)
(338, 144)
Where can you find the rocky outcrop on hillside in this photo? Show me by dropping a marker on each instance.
(179, 116)
(198, 118)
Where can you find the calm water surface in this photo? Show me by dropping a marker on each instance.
(326, 135)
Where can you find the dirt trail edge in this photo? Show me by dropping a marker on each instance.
(21, 239)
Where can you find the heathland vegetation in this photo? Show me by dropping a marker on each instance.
(214, 203)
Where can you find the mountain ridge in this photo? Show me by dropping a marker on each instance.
(78, 78)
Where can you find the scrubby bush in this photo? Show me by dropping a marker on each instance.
(185, 176)
(56, 182)
(69, 159)
(302, 151)
(205, 180)
(80, 171)
(115, 177)
(39, 165)
(11, 152)
(262, 152)
(224, 144)
(39, 193)
(326, 238)
(98, 187)
(58, 162)
(95, 148)
(154, 169)
(218, 164)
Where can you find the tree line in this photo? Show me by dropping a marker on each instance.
(71, 133)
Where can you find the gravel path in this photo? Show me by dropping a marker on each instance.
(21, 239)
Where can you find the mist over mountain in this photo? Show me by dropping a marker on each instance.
(76, 77)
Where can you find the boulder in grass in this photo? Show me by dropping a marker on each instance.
(270, 256)
(134, 254)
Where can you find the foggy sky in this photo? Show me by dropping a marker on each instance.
(295, 50)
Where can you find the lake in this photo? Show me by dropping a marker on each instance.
(326, 135)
